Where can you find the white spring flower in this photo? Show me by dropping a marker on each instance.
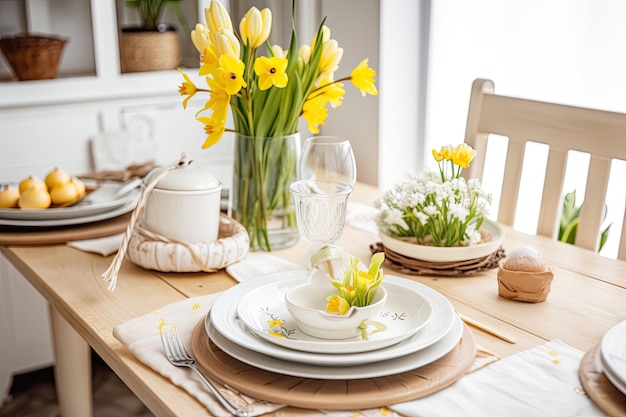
(459, 211)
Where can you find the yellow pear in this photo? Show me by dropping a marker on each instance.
(9, 197)
(57, 177)
(80, 187)
(64, 194)
(32, 182)
(35, 198)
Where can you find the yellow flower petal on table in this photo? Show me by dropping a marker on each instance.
(315, 113)
(187, 88)
(363, 78)
(463, 155)
(214, 126)
(337, 304)
(217, 17)
(200, 38)
(255, 27)
(226, 43)
(331, 55)
(229, 74)
(271, 71)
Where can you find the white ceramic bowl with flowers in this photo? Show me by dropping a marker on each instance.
(342, 299)
(437, 215)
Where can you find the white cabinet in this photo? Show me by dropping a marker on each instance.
(48, 123)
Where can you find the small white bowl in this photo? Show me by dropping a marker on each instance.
(307, 305)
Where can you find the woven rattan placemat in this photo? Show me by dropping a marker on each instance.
(412, 266)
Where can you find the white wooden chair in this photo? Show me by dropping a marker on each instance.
(602, 134)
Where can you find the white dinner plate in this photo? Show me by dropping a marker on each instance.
(224, 320)
(100, 200)
(447, 254)
(613, 354)
(264, 312)
(118, 211)
(367, 370)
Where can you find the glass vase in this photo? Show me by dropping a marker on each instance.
(264, 167)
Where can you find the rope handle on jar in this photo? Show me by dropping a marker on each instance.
(110, 275)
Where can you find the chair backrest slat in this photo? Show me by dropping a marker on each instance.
(602, 134)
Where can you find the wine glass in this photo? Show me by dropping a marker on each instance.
(327, 158)
(320, 211)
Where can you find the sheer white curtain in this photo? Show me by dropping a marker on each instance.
(564, 51)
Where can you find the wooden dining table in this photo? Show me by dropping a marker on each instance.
(587, 295)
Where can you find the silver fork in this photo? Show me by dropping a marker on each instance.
(178, 356)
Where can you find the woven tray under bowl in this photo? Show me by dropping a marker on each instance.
(33, 57)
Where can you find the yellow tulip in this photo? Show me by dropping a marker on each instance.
(277, 50)
(226, 43)
(200, 38)
(255, 27)
(217, 17)
(304, 52)
(331, 55)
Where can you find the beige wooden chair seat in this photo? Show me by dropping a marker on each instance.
(602, 134)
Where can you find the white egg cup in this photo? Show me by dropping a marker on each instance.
(307, 305)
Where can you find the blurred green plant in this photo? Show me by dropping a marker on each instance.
(570, 218)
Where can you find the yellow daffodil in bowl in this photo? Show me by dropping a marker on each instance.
(341, 299)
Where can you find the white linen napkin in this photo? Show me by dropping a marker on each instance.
(142, 337)
(542, 381)
(105, 246)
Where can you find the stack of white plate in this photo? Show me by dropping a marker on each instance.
(251, 323)
(108, 200)
(613, 355)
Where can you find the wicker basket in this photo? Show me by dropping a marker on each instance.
(149, 51)
(33, 57)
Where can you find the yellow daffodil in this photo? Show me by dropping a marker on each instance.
(315, 113)
(226, 43)
(445, 153)
(214, 127)
(463, 155)
(187, 88)
(255, 27)
(337, 304)
(209, 61)
(200, 38)
(332, 92)
(363, 79)
(229, 75)
(271, 71)
(331, 55)
(219, 98)
(217, 17)
(277, 334)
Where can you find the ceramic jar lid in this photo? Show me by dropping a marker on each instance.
(188, 178)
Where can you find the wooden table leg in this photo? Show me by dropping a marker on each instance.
(72, 371)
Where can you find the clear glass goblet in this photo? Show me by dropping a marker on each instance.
(320, 211)
(327, 158)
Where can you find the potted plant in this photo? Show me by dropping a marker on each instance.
(152, 45)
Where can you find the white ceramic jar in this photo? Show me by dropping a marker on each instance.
(184, 205)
